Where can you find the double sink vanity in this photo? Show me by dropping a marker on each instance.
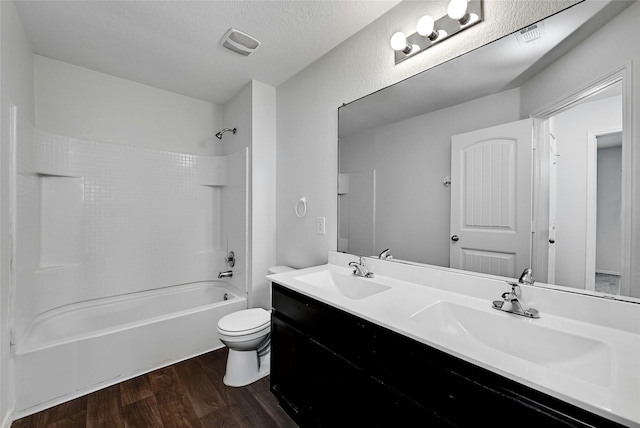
(417, 344)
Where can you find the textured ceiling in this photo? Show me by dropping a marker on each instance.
(175, 45)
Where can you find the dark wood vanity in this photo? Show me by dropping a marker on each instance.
(331, 368)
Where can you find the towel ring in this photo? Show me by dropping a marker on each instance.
(302, 201)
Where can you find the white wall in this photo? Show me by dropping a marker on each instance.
(263, 192)
(237, 114)
(571, 130)
(308, 102)
(609, 225)
(82, 103)
(16, 87)
(252, 112)
(411, 159)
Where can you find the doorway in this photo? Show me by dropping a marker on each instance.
(580, 193)
(608, 257)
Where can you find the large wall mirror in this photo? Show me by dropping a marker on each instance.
(515, 155)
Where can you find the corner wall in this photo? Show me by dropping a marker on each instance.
(253, 112)
(307, 122)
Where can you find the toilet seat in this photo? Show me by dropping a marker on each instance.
(245, 322)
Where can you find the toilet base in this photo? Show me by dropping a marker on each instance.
(245, 367)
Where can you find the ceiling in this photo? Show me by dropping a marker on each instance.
(176, 45)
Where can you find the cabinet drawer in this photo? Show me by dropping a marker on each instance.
(345, 334)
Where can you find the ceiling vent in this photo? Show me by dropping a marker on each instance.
(240, 42)
(531, 33)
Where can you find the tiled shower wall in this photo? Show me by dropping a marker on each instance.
(99, 219)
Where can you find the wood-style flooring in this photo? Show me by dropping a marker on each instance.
(186, 394)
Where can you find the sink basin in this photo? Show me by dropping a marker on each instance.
(349, 286)
(520, 337)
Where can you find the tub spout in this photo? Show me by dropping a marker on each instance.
(225, 274)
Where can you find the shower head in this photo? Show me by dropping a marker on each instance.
(219, 134)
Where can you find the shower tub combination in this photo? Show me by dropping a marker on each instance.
(80, 348)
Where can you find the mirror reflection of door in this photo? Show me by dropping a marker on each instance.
(585, 198)
(551, 140)
(491, 199)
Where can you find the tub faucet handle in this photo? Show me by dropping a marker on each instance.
(230, 260)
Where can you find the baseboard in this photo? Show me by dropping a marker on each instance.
(608, 272)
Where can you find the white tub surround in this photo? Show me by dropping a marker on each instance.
(583, 349)
(83, 347)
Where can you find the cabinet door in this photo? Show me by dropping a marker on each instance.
(345, 395)
(290, 368)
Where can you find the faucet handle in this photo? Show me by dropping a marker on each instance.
(526, 277)
(385, 255)
(516, 291)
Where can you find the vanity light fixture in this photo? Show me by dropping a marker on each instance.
(461, 14)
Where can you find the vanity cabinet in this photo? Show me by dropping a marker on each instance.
(331, 368)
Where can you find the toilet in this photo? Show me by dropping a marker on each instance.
(247, 334)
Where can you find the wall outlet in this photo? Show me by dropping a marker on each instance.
(320, 226)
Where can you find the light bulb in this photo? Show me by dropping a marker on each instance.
(399, 41)
(457, 9)
(426, 27)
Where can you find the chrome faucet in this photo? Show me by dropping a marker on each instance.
(225, 274)
(360, 269)
(510, 299)
(385, 255)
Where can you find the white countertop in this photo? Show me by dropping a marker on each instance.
(613, 392)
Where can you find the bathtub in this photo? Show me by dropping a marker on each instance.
(80, 348)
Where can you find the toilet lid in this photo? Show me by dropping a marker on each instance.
(245, 321)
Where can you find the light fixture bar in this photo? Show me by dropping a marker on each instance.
(446, 27)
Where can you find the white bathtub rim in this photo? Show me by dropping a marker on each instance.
(26, 348)
(136, 295)
(101, 385)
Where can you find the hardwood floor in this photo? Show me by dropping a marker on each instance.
(186, 394)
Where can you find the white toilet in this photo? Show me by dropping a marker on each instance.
(247, 335)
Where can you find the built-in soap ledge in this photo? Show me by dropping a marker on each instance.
(61, 220)
(51, 268)
(212, 171)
